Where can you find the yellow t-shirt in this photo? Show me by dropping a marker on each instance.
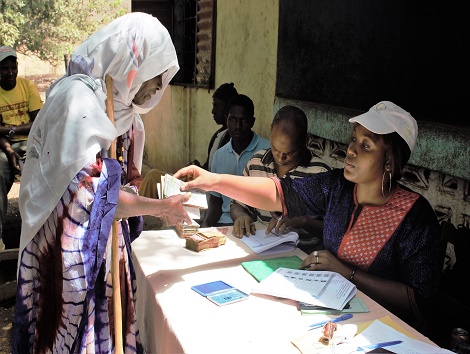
(15, 104)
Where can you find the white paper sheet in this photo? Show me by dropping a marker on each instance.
(263, 244)
(328, 289)
(379, 332)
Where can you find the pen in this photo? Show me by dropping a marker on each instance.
(379, 345)
(334, 320)
(274, 228)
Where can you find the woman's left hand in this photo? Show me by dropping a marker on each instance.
(325, 260)
(172, 210)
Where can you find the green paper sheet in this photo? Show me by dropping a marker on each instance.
(261, 268)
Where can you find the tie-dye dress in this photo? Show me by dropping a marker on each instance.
(64, 301)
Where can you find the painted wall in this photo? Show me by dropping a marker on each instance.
(178, 130)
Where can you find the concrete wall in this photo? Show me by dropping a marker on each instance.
(180, 127)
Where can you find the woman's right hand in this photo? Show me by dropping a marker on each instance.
(195, 177)
(285, 225)
(172, 211)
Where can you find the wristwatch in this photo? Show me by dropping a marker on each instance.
(11, 132)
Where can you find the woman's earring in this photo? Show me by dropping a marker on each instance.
(383, 178)
(390, 182)
(387, 169)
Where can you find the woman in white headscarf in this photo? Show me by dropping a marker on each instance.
(71, 191)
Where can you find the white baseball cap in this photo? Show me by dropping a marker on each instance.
(6, 52)
(386, 117)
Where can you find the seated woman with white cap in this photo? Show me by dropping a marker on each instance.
(377, 233)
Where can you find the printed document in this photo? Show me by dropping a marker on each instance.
(322, 288)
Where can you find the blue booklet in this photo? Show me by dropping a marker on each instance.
(220, 293)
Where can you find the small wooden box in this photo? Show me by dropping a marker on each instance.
(203, 240)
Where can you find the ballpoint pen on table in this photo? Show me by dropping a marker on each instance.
(334, 320)
(378, 345)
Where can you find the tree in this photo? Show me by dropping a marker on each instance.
(49, 29)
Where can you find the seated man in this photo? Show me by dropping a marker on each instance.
(287, 156)
(233, 156)
(19, 105)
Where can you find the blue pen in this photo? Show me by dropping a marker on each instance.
(337, 319)
(378, 345)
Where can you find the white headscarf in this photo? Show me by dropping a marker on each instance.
(72, 127)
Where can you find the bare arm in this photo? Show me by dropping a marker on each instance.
(310, 224)
(258, 192)
(4, 144)
(22, 129)
(169, 209)
(12, 155)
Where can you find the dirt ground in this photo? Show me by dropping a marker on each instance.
(42, 81)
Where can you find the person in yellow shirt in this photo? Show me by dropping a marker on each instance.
(20, 103)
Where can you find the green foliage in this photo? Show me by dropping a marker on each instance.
(49, 29)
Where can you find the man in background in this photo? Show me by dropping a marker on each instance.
(287, 156)
(220, 99)
(233, 156)
(20, 103)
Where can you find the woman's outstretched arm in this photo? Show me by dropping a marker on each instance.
(258, 192)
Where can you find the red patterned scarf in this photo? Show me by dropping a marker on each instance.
(373, 228)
